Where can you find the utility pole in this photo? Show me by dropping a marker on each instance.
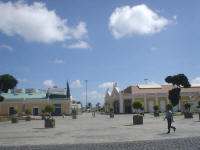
(86, 81)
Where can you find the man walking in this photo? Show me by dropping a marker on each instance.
(169, 118)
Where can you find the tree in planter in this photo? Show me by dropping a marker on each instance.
(169, 107)
(188, 114)
(43, 114)
(111, 112)
(74, 113)
(28, 112)
(50, 121)
(199, 108)
(178, 81)
(137, 119)
(156, 110)
(14, 119)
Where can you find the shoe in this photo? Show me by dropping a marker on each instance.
(168, 132)
(174, 129)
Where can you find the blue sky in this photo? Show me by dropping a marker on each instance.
(46, 43)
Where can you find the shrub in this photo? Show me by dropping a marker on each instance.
(169, 106)
(187, 106)
(198, 104)
(43, 111)
(137, 105)
(14, 112)
(1, 98)
(27, 111)
(156, 107)
(111, 110)
(50, 108)
(74, 111)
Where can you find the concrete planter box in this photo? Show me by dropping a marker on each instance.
(43, 117)
(156, 114)
(14, 120)
(111, 115)
(188, 115)
(28, 118)
(137, 119)
(74, 116)
(49, 123)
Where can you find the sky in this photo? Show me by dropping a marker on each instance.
(47, 43)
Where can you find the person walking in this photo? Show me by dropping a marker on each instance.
(170, 119)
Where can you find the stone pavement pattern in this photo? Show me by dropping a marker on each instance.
(100, 129)
(192, 143)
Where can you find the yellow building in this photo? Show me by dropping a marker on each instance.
(149, 95)
(35, 100)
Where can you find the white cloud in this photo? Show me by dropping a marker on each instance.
(48, 83)
(36, 23)
(153, 49)
(138, 19)
(22, 80)
(79, 45)
(174, 17)
(5, 46)
(196, 80)
(58, 61)
(106, 85)
(94, 96)
(76, 84)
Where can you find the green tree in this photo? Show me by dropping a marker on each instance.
(169, 106)
(7, 82)
(89, 105)
(27, 111)
(1, 98)
(49, 108)
(98, 106)
(137, 105)
(178, 81)
(156, 108)
(187, 106)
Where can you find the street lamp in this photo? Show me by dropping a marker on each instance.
(86, 81)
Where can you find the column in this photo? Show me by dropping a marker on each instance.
(145, 103)
(121, 103)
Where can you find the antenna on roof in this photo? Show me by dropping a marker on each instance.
(145, 80)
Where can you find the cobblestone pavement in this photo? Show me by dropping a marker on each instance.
(192, 143)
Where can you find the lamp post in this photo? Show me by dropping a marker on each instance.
(86, 81)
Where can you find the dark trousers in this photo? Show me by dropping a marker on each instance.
(169, 121)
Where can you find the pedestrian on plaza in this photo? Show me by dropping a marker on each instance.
(170, 119)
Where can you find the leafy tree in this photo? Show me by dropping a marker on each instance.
(137, 105)
(7, 82)
(89, 105)
(49, 108)
(156, 107)
(1, 98)
(98, 106)
(178, 81)
(187, 106)
(169, 106)
(27, 111)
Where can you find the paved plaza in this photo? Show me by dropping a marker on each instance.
(101, 129)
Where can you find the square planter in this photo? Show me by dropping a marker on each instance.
(49, 123)
(111, 115)
(14, 120)
(74, 116)
(156, 114)
(28, 118)
(137, 119)
(188, 115)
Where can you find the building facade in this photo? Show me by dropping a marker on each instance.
(149, 95)
(35, 100)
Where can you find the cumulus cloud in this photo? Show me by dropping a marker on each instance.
(5, 46)
(138, 19)
(76, 84)
(58, 61)
(153, 49)
(94, 96)
(48, 83)
(106, 85)
(196, 80)
(36, 23)
(78, 45)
